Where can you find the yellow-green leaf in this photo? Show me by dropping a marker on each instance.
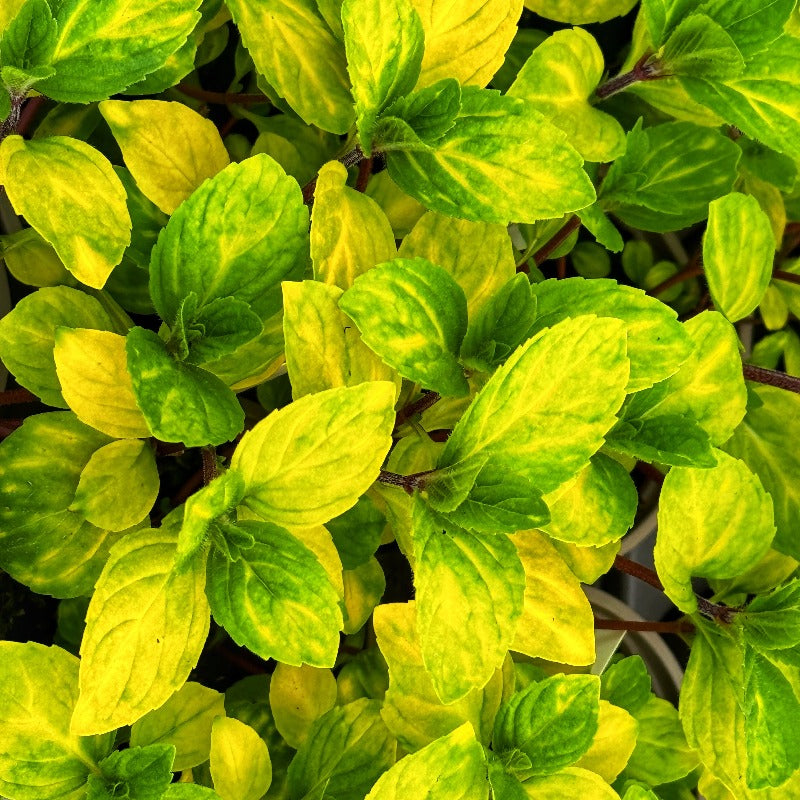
(39, 758)
(349, 232)
(411, 709)
(295, 50)
(466, 41)
(612, 744)
(719, 539)
(184, 721)
(572, 783)
(414, 316)
(451, 768)
(168, 148)
(45, 545)
(28, 331)
(363, 588)
(92, 367)
(298, 696)
(469, 598)
(515, 424)
(483, 168)
(558, 79)
(102, 48)
(580, 13)
(323, 346)
(384, 43)
(557, 621)
(240, 764)
(276, 598)
(738, 249)
(478, 255)
(71, 195)
(311, 461)
(145, 628)
(597, 508)
(118, 485)
(33, 261)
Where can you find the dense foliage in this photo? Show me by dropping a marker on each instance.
(345, 266)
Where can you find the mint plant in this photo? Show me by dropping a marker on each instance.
(349, 338)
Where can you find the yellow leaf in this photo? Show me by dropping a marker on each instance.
(466, 40)
(240, 764)
(92, 368)
(613, 743)
(298, 696)
(168, 148)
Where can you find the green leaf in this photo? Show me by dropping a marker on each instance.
(118, 485)
(558, 79)
(346, 749)
(451, 768)
(357, 533)
(552, 722)
(478, 255)
(298, 696)
(296, 52)
(92, 367)
(514, 426)
(483, 167)
(180, 402)
(498, 504)
(626, 684)
(240, 765)
(580, 13)
(668, 175)
(770, 621)
(189, 791)
(363, 589)
(27, 43)
(770, 710)
(598, 508)
(699, 47)
(168, 148)
(184, 722)
(738, 249)
(239, 235)
(500, 326)
(466, 42)
(145, 629)
(429, 112)
(323, 347)
(661, 754)
(708, 387)
(143, 773)
(349, 232)
(604, 231)
(764, 442)
(27, 336)
(556, 621)
(41, 759)
(762, 100)
(412, 709)
(276, 599)
(31, 260)
(670, 439)
(714, 540)
(423, 335)
(89, 229)
(469, 594)
(313, 459)
(101, 50)
(45, 545)
(657, 343)
(384, 43)
(206, 505)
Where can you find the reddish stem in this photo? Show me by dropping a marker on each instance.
(771, 377)
(364, 174)
(543, 253)
(561, 268)
(410, 410)
(678, 627)
(787, 277)
(687, 273)
(210, 470)
(642, 71)
(29, 112)
(12, 397)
